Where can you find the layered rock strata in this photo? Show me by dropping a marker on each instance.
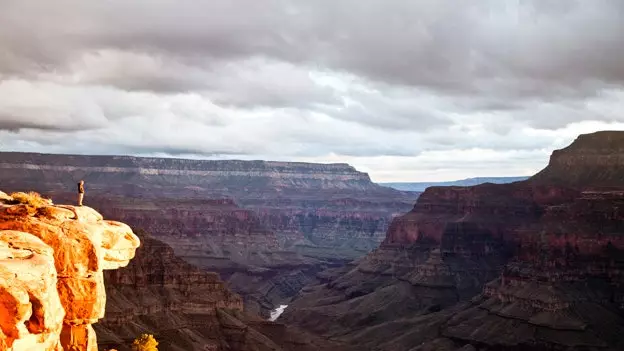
(220, 236)
(550, 247)
(593, 160)
(325, 205)
(275, 224)
(186, 308)
(531, 307)
(80, 244)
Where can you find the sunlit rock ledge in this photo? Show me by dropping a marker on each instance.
(51, 280)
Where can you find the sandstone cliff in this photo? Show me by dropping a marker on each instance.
(550, 246)
(51, 268)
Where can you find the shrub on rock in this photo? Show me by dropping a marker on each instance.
(145, 342)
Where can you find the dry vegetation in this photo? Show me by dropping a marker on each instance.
(145, 342)
(31, 199)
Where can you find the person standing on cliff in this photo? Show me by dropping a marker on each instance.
(81, 192)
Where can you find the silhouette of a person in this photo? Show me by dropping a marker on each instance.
(81, 192)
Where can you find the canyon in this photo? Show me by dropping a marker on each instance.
(531, 265)
(62, 282)
(303, 203)
(266, 227)
(187, 308)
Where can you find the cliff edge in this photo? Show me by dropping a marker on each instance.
(52, 259)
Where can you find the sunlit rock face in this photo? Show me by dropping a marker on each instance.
(31, 316)
(52, 260)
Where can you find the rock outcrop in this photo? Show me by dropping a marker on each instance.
(532, 265)
(53, 259)
(31, 316)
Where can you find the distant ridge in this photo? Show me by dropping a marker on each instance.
(421, 186)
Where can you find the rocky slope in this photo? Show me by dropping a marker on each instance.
(186, 309)
(533, 265)
(51, 272)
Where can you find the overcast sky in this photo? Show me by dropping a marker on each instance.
(407, 90)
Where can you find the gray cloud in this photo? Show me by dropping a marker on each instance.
(358, 79)
(527, 48)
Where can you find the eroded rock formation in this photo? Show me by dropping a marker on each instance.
(31, 316)
(220, 236)
(532, 265)
(274, 224)
(302, 203)
(54, 256)
(186, 308)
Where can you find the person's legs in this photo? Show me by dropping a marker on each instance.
(80, 197)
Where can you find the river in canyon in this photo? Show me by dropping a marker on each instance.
(277, 312)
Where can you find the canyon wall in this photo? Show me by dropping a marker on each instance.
(532, 265)
(52, 281)
(186, 308)
(344, 206)
(219, 236)
(51, 267)
(275, 224)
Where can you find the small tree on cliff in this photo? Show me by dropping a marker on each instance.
(145, 342)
